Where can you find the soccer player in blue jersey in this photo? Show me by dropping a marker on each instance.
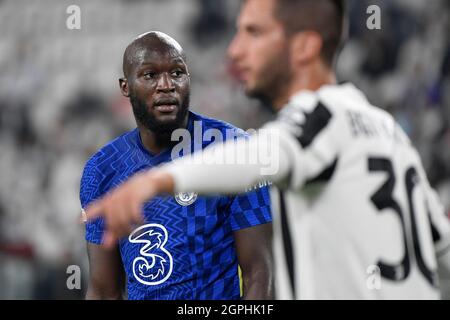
(354, 215)
(187, 246)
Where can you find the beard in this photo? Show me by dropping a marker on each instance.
(271, 89)
(272, 81)
(162, 129)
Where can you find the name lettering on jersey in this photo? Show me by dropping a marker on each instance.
(259, 186)
(155, 264)
(363, 125)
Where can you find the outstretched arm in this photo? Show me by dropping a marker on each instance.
(207, 172)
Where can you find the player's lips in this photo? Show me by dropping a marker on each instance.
(242, 73)
(166, 108)
(239, 71)
(166, 105)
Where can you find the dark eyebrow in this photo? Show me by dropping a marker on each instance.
(253, 28)
(179, 60)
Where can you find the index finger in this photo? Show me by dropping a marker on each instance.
(94, 211)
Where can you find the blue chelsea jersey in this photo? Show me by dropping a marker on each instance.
(185, 249)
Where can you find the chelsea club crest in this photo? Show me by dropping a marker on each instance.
(186, 198)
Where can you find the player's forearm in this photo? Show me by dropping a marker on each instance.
(211, 179)
(161, 180)
(99, 294)
(230, 167)
(258, 286)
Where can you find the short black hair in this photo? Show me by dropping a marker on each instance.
(326, 17)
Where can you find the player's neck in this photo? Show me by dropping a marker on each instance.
(311, 79)
(155, 142)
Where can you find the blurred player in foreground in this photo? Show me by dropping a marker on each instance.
(188, 247)
(356, 217)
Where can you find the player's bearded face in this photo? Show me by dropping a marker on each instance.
(155, 122)
(160, 92)
(260, 52)
(269, 76)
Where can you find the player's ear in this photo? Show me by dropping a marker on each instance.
(306, 46)
(123, 83)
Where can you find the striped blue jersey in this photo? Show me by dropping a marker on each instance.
(185, 249)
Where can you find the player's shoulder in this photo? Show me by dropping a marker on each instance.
(213, 123)
(316, 106)
(353, 105)
(347, 97)
(332, 107)
(333, 101)
(308, 109)
(113, 149)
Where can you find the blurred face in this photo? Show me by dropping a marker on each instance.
(159, 88)
(259, 51)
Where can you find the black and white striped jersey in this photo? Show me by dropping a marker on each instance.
(356, 217)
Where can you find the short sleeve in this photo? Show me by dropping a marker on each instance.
(309, 139)
(89, 192)
(250, 209)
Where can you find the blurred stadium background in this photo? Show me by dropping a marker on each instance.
(60, 101)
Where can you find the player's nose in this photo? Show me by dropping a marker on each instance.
(165, 83)
(234, 51)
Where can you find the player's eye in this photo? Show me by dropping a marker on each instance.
(177, 73)
(253, 31)
(149, 75)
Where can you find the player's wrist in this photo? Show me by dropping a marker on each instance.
(160, 181)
